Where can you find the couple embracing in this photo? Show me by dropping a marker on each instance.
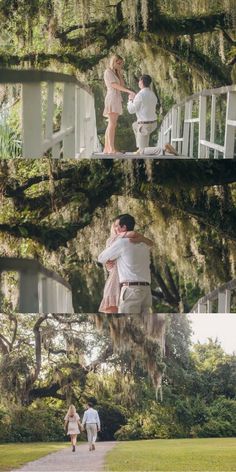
(127, 259)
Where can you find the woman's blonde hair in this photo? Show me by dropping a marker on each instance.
(113, 230)
(113, 60)
(71, 410)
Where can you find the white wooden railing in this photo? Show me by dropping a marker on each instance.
(219, 300)
(39, 290)
(72, 133)
(203, 125)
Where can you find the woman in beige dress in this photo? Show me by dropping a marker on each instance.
(111, 292)
(113, 77)
(72, 425)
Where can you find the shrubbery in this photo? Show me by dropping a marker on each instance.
(195, 419)
(222, 420)
(31, 424)
(112, 417)
(158, 421)
(41, 422)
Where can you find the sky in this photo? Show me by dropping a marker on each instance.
(220, 326)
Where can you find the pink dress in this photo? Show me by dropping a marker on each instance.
(111, 292)
(113, 99)
(73, 427)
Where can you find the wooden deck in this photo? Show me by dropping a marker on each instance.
(131, 156)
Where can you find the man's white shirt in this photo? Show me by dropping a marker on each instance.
(91, 416)
(133, 260)
(144, 105)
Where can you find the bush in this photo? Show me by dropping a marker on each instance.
(222, 420)
(5, 425)
(158, 422)
(26, 424)
(112, 417)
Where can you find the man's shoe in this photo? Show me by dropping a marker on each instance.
(170, 149)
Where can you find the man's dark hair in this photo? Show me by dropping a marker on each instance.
(126, 220)
(147, 80)
(90, 404)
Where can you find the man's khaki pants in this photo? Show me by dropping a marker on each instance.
(92, 430)
(135, 299)
(142, 133)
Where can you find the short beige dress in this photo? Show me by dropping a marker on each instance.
(113, 99)
(111, 293)
(73, 427)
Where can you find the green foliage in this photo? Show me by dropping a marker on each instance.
(157, 421)
(221, 420)
(32, 424)
(10, 143)
(41, 375)
(113, 416)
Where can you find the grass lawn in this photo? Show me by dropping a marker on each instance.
(15, 455)
(174, 455)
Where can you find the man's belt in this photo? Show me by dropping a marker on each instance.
(130, 284)
(146, 122)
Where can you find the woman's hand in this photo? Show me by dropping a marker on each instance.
(132, 95)
(135, 237)
(109, 265)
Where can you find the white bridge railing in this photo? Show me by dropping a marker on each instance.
(56, 114)
(39, 290)
(203, 125)
(217, 301)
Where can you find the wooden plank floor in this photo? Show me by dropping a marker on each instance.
(130, 155)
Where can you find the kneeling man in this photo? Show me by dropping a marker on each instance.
(144, 105)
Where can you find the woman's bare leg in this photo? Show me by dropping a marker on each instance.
(110, 133)
(73, 441)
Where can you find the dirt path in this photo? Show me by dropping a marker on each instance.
(65, 460)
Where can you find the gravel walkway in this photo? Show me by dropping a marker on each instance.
(65, 460)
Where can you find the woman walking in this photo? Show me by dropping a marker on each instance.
(73, 425)
(113, 77)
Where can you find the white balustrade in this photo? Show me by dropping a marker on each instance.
(42, 134)
(203, 125)
(40, 290)
(219, 300)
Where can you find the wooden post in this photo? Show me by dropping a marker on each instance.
(202, 307)
(28, 292)
(221, 302)
(187, 116)
(32, 120)
(213, 121)
(230, 125)
(80, 122)
(49, 111)
(227, 301)
(202, 126)
(68, 120)
(174, 127)
(209, 306)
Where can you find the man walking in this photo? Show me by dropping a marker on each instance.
(91, 422)
(144, 105)
(133, 265)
